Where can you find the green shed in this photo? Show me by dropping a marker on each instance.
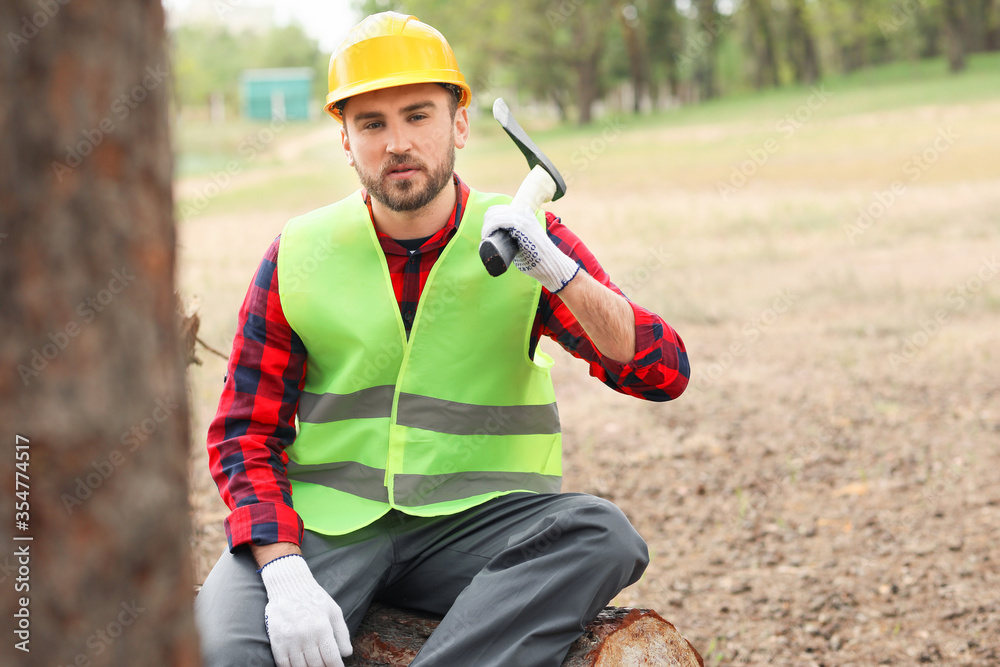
(276, 92)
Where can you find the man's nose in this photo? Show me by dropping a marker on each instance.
(399, 140)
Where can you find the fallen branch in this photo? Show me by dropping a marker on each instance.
(211, 349)
(189, 325)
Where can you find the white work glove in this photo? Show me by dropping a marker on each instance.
(304, 624)
(538, 256)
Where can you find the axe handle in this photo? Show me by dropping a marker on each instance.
(497, 251)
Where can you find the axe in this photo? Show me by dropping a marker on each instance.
(543, 183)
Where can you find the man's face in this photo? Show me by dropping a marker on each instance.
(402, 143)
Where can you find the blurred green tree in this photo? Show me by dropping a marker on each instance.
(209, 58)
(802, 51)
(572, 53)
(709, 27)
(664, 26)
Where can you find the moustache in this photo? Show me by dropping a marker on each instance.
(397, 160)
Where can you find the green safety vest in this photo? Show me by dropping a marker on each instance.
(434, 424)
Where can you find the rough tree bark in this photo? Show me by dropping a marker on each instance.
(92, 386)
(390, 637)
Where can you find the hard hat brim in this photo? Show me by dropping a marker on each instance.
(333, 99)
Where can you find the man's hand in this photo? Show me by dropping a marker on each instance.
(304, 624)
(538, 256)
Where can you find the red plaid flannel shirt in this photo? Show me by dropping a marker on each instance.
(255, 420)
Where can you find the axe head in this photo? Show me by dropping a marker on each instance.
(531, 152)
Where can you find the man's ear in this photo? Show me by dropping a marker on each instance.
(345, 141)
(461, 127)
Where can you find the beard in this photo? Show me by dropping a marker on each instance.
(405, 195)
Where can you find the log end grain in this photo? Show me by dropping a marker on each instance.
(643, 637)
(618, 637)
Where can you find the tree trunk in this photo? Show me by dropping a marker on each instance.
(976, 24)
(94, 404)
(587, 73)
(853, 42)
(390, 637)
(954, 34)
(991, 36)
(801, 44)
(929, 33)
(637, 60)
(562, 106)
(589, 30)
(704, 73)
(661, 24)
(763, 48)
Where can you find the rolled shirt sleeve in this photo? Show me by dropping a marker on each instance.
(659, 371)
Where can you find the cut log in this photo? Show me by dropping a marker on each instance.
(390, 637)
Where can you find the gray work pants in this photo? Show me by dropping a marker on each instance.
(516, 578)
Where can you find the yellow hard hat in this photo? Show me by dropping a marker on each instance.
(391, 49)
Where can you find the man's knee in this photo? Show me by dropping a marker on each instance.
(614, 541)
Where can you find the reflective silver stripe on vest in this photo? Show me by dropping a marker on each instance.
(347, 476)
(368, 403)
(417, 490)
(435, 414)
(430, 414)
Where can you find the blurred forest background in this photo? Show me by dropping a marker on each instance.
(579, 56)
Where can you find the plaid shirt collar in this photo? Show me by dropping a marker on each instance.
(437, 240)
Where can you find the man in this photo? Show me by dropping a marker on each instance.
(426, 466)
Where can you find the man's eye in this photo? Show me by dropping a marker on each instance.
(418, 116)
(373, 126)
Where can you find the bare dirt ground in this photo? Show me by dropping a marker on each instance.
(827, 491)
